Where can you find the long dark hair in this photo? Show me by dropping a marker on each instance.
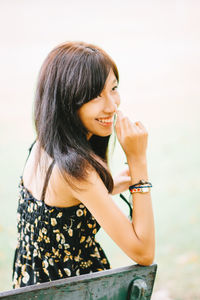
(72, 74)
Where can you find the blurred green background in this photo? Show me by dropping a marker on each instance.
(156, 46)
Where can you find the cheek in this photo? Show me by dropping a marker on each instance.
(90, 111)
(86, 114)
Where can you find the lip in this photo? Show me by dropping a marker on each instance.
(106, 124)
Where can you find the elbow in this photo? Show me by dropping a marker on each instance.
(143, 253)
(145, 260)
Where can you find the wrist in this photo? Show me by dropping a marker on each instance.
(138, 170)
(137, 161)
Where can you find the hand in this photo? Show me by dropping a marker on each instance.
(122, 182)
(132, 137)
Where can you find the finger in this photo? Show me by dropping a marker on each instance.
(131, 115)
(118, 122)
(124, 120)
(119, 115)
(140, 126)
(121, 123)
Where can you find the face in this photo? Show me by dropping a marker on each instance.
(97, 115)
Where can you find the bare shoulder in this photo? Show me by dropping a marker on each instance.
(92, 184)
(68, 188)
(67, 191)
(60, 192)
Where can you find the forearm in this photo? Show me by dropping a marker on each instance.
(142, 217)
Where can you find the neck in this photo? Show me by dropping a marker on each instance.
(89, 136)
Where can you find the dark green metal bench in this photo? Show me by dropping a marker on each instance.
(129, 283)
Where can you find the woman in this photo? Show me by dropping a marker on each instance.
(65, 191)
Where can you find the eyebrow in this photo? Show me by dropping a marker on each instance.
(115, 80)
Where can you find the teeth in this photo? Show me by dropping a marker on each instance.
(105, 120)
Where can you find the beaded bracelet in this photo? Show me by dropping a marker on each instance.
(140, 187)
(141, 182)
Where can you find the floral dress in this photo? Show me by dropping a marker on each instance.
(54, 243)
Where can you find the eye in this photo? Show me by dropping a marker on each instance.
(114, 88)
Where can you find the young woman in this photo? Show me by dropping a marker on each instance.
(65, 191)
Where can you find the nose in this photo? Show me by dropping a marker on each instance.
(112, 104)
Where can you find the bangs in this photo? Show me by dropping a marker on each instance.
(89, 76)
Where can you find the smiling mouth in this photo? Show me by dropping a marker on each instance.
(105, 121)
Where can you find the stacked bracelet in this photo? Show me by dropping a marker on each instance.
(141, 187)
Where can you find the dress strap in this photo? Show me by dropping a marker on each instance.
(48, 174)
(31, 148)
(29, 152)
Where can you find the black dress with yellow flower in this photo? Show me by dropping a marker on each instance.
(54, 243)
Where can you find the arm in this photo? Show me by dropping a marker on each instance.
(142, 217)
(133, 139)
(135, 238)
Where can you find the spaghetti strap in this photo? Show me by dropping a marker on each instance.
(49, 171)
(48, 174)
(29, 152)
(31, 147)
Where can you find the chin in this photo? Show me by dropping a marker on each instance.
(104, 134)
